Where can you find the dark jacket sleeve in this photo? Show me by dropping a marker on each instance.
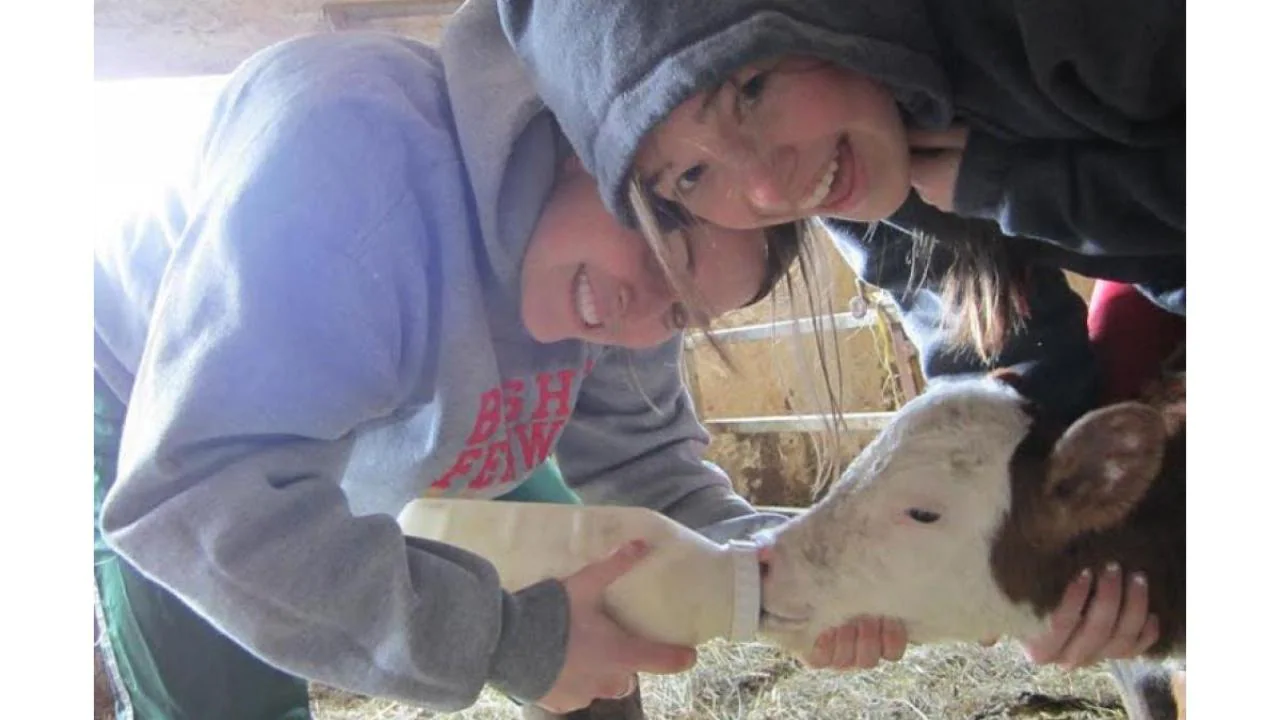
(1117, 70)
(1051, 350)
(1093, 198)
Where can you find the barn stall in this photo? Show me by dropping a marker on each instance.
(758, 408)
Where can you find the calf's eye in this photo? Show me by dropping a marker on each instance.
(923, 516)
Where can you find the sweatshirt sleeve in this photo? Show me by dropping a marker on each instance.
(634, 440)
(1117, 67)
(1051, 350)
(296, 309)
(1094, 198)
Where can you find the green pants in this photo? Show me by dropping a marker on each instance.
(164, 660)
(545, 485)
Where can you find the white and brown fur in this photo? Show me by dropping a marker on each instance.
(967, 518)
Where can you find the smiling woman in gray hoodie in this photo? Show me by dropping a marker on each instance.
(389, 277)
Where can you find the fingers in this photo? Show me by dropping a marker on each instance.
(641, 655)
(614, 689)
(559, 707)
(1150, 633)
(611, 672)
(933, 174)
(823, 650)
(895, 639)
(935, 163)
(869, 643)
(928, 170)
(1115, 623)
(952, 138)
(595, 577)
(1133, 619)
(1099, 621)
(618, 689)
(602, 658)
(860, 643)
(1047, 647)
(848, 642)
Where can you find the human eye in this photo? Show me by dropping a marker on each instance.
(679, 317)
(751, 90)
(688, 180)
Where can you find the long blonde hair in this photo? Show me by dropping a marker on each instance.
(793, 262)
(983, 285)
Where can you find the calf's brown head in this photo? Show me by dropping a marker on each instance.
(961, 480)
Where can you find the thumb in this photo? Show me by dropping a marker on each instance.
(602, 573)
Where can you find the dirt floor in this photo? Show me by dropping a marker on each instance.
(755, 682)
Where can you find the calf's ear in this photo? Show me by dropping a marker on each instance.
(1101, 467)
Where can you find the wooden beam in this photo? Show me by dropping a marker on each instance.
(904, 360)
(347, 15)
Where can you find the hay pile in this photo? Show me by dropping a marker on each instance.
(755, 682)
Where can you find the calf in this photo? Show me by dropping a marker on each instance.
(967, 517)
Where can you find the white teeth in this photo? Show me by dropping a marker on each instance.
(584, 300)
(823, 187)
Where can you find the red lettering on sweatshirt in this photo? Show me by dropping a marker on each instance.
(490, 456)
(461, 466)
(558, 395)
(535, 440)
(512, 392)
(497, 466)
(488, 417)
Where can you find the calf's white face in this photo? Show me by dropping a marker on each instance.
(908, 530)
(911, 520)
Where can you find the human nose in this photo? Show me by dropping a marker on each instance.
(766, 174)
(647, 302)
(650, 295)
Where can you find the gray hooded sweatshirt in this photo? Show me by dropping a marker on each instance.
(1077, 145)
(324, 325)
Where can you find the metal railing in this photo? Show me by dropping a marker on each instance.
(839, 322)
(781, 328)
(853, 421)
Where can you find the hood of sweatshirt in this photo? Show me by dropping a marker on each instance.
(509, 142)
(611, 70)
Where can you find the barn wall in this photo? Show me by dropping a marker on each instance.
(166, 38)
(779, 468)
